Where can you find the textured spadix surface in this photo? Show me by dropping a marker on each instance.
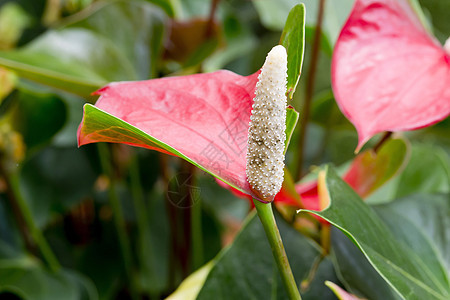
(388, 72)
(266, 138)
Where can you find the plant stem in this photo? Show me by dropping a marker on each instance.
(119, 220)
(211, 19)
(310, 88)
(383, 139)
(267, 218)
(25, 214)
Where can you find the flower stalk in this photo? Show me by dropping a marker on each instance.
(265, 154)
(266, 216)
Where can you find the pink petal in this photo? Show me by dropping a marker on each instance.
(204, 116)
(387, 73)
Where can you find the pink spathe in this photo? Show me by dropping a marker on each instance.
(388, 72)
(205, 117)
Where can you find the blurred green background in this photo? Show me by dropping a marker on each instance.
(55, 53)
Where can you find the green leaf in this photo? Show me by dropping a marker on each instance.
(116, 130)
(89, 51)
(56, 179)
(26, 279)
(420, 221)
(427, 172)
(293, 39)
(403, 269)
(246, 270)
(355, 271)
(417, 221)
(38, 116)
(273, 13)
(437, 10)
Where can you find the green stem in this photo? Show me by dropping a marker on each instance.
(119, 220)
(35, 232)
(267, 218)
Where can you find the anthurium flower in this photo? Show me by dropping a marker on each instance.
(388, 72)
(203, 118)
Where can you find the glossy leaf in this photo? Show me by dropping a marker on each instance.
(403, 269)
(417, 221)
(201, 118)
(246, 270)
(89, 51)
(388, 73)
(355, 272)
(293, 39)
(420, 221)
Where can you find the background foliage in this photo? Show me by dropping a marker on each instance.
(54, 54)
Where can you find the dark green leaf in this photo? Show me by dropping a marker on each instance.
(247, 270)
(355, 271)
(438, 10)
(421, 222)
(26, 279)
(56, 179)
(38, 116)
(403, 269)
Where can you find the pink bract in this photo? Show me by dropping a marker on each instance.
(388, 73)
(204, 117)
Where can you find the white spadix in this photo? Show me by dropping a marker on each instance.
(266, 139)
